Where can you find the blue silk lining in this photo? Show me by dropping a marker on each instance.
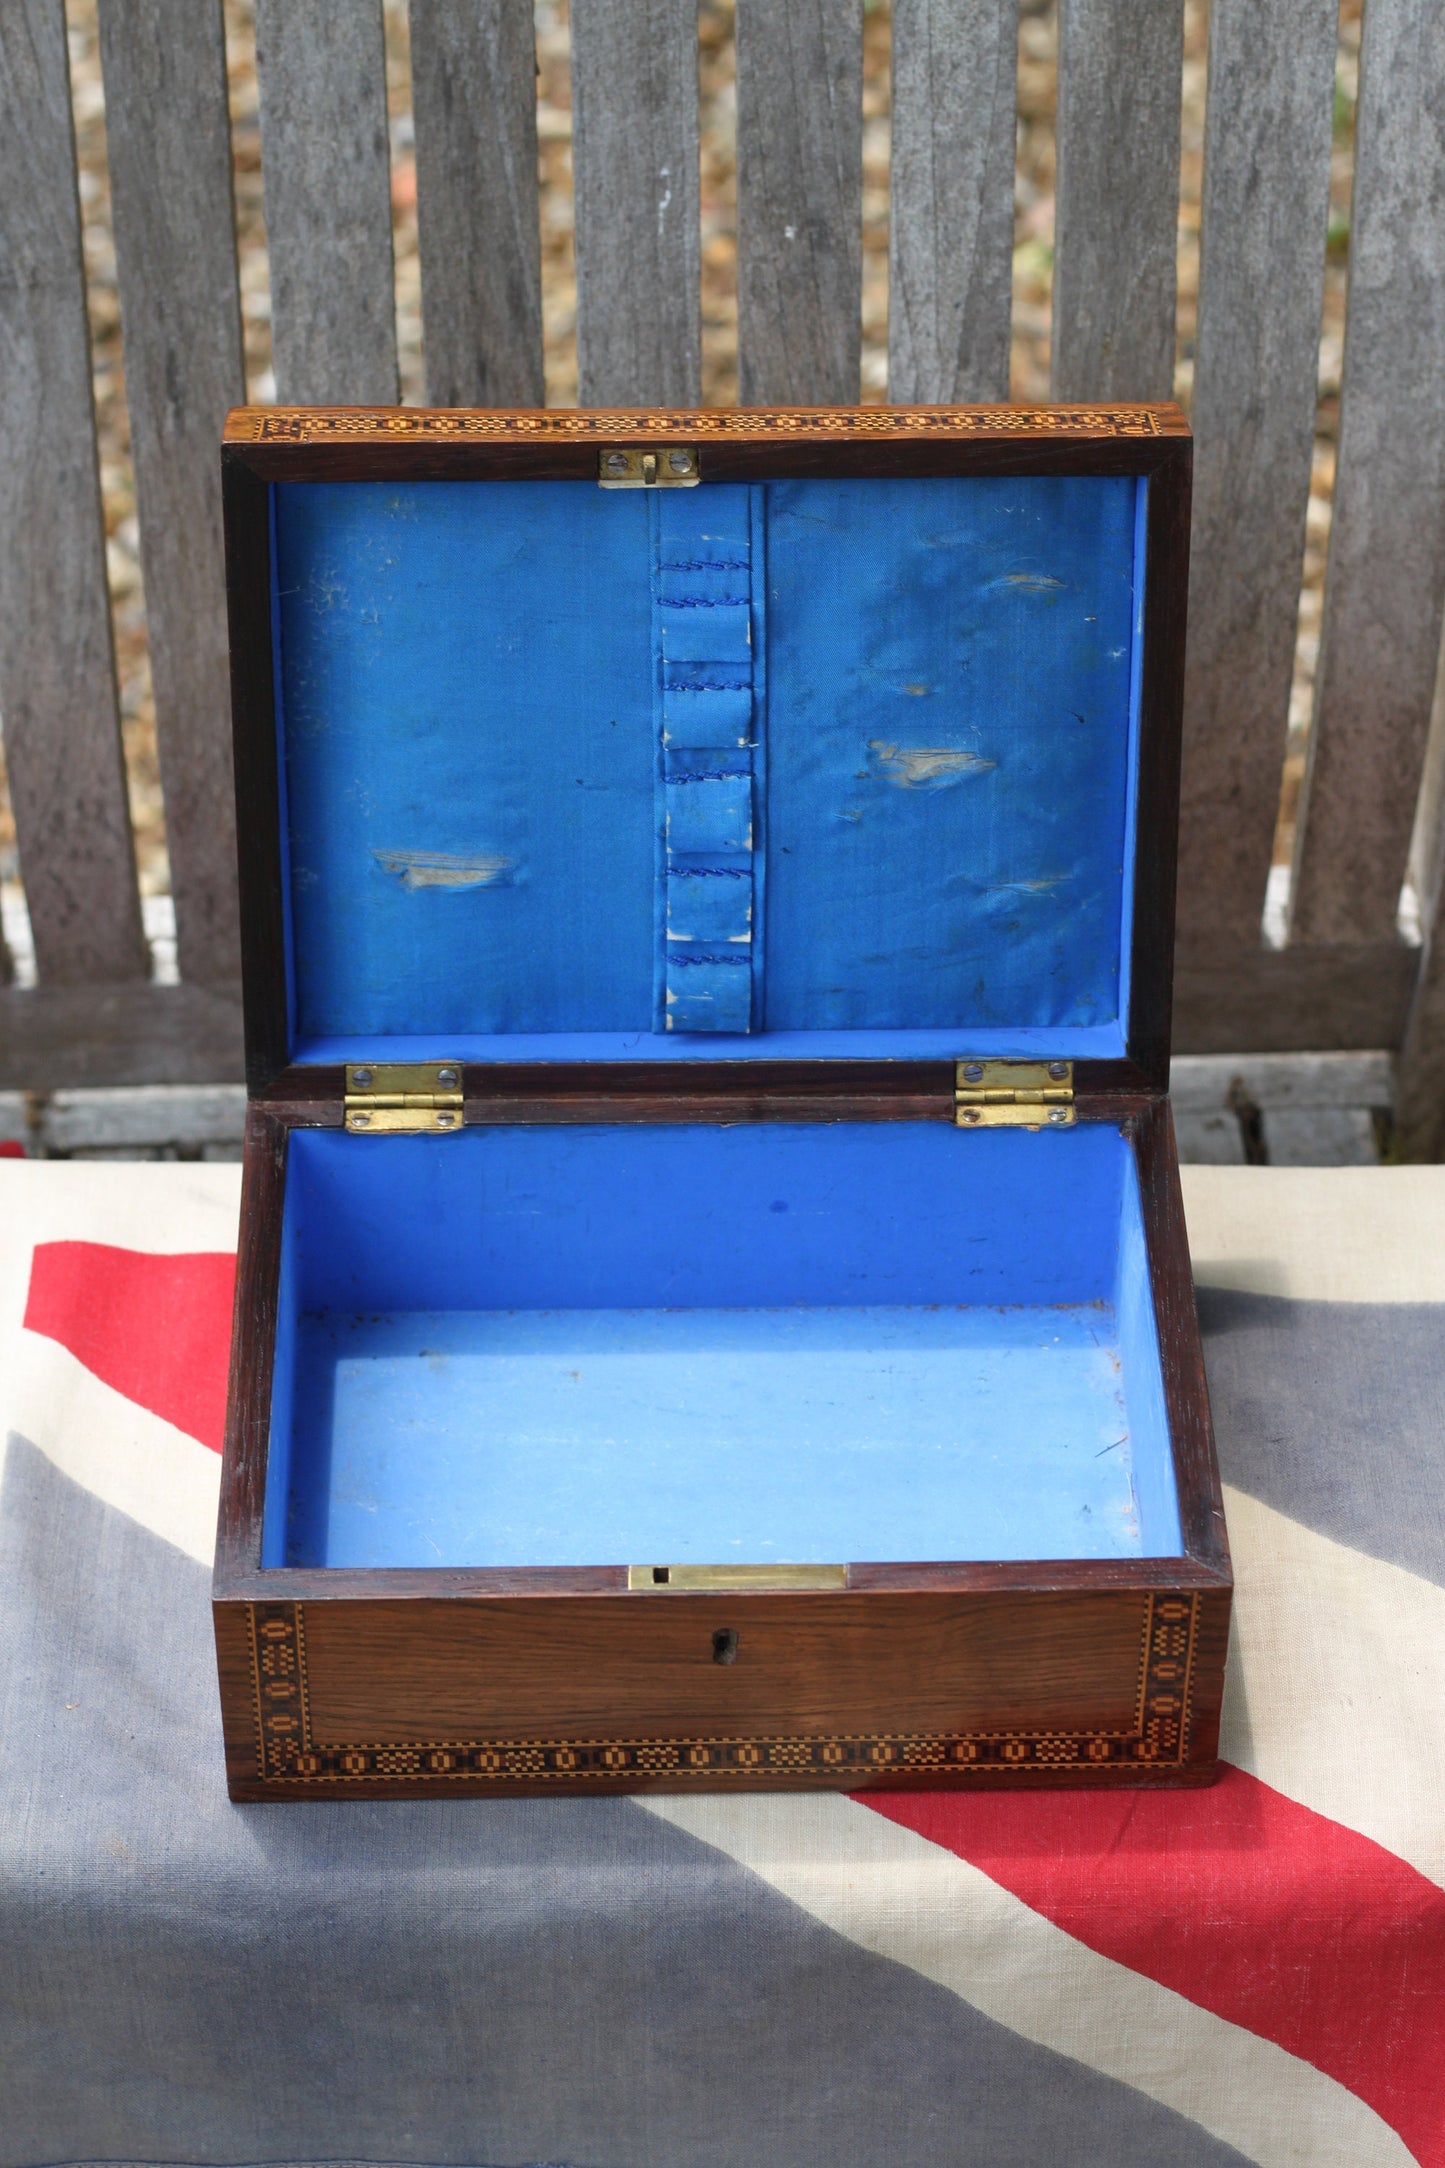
(817, 767)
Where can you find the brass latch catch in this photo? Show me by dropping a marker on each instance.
(403, 1098)
(1014, 1095)
(670, 466)
(732, 1580)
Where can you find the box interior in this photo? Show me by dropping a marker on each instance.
(809, 768)
(639, 1344)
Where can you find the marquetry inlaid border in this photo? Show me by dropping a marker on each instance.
(325, 425)
(287, 1753)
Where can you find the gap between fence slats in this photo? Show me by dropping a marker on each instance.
(1386, 578)
(951, 199)
(321, 66)
(169, 148)
(1261, 291)
(800, 201)
(57, 667)
(1117, 198)
(474, 104)
(635, 180)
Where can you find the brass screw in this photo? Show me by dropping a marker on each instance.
(968, 1114)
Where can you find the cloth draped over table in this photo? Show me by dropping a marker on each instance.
(1254, 1972)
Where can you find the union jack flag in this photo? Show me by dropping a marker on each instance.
(1254, 1972)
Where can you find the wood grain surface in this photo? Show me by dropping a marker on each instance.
(253, 1346)
(800, 195)
(1133, 1684)
(1117, 198)
(169, 148)
(1166, 589)
(1261, 287)
(246, 503)
(1296, 999)
(321, 66)
(1181, 1351)
(1380, 639)
(62, 1038)
(474, 100)
(389, 1673)
(57, 670)
(951, 198)
(635, 177)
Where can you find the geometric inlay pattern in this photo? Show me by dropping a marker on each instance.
(311, 425)
(287, 1753)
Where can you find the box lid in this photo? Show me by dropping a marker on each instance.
(864, 744)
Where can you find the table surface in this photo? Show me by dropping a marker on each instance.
(1254, 1972)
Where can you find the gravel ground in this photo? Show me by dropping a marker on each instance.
(1033, 265)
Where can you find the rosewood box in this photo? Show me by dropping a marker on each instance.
(713, 1305)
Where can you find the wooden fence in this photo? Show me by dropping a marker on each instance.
(1343, 979)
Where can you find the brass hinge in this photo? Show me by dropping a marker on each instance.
(403, 1098)
(1014, 1095)
(672, 466)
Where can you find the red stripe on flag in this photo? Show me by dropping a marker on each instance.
(156, 1328)
(1273, 1917)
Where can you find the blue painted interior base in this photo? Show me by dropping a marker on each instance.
(629, 1345)
(553, 1437)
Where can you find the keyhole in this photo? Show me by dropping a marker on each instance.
(725, 1646)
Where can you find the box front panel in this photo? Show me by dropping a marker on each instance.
(675, 1692)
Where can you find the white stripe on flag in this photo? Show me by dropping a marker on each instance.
(135, 1461)
(1319, 1234)
(1335, 1691)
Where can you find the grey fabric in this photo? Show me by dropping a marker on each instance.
(506, 1982)
(1334, 1413)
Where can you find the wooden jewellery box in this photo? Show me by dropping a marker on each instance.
(713, 1305)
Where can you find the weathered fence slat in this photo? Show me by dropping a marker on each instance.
(951, 199)
(800, 197)
(57, 669)
(55, 1038)
(169, 145)
(1292, 999)
(321, 66)
(1261, 289)
(1386, 580)
(474, 102)
(1117, 198)
(635, 175)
